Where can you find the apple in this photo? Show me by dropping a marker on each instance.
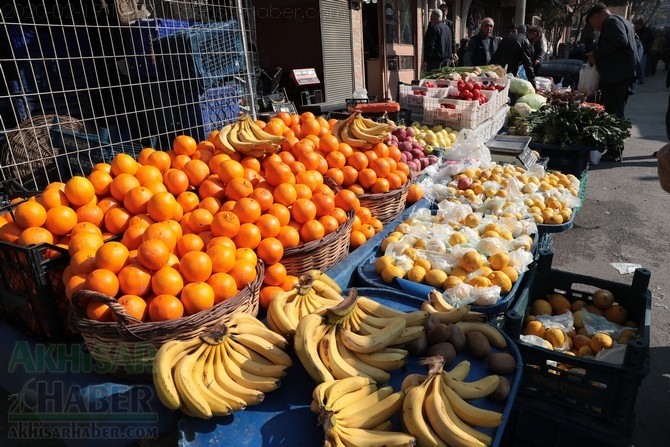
(403, 157)
(411, 131)
(433, 159)
(405, 146)
(424, 162)
(417, 153)
(400, 133)
(464, 183)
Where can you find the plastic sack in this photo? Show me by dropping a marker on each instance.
(588, 79)
(468, 146)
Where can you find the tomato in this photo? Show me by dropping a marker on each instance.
(466, 94)
(476, 94)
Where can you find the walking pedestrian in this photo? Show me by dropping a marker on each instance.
(482, 46)
(515, 51)
(437, 51)
(445, 11)
(647, 39)
(536, 38)
(615, 56)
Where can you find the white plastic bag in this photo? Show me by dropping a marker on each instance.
(468, 146)
(588, 79)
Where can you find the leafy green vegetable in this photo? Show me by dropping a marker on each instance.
(534, 100)
(573, 125)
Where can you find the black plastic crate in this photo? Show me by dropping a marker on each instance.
(536, 423)
(606, 391)
(567, 159)
(32, 293)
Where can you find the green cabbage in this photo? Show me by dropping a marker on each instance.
(520, 87)
(533, 100)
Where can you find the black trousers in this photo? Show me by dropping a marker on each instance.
(667, 120)
(614, 96)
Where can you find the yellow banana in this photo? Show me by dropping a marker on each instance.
(324, 290)
(329, 353)
(259, 331)
(244, 378)
(217, 370)
(221, 402)
(368, 401)
(379, 375)
(494, 336)
(277, 312)
(190, 395)
(438, 417)
(386, 359)
(374, 126)
(362, 133)
(366, 419)
(412, 380)
(235, 139)
(374, 438)
(472, 431)
(453, 316)
(333, 439)
(384, 426)
(322, 276)
(264, 347)
(436, 298)
(309, 332)
(472, 390)
(165, 359)
(258, 367)
(410, 333)
(243, 317)
(460, 371)
(223, 139)
(262, 134)
(414, 420)
(378, 309)
(340, 387)
(377, 340)
(352, 398)
(470, 414)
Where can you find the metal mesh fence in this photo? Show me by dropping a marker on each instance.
(83, 80)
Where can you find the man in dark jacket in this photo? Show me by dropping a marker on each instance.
(445, 10)
(514, 51)
(615, 56)
(437, 51)
(482, 46)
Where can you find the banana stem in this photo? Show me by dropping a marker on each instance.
(215, 335)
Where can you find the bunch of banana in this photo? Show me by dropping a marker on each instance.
(315, 290)
(361, 132)
(437, 415)
(447, 313)
(355, 412)
(223, 370)
(247, 137)
(345, 341)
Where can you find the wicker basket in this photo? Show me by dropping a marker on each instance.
(321, 254)
(386, 206)
(127, 348)
(28, 153)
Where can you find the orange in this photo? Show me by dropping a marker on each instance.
(219, 240)
(99, 312)
(162, 206)
(121, 185)
(153, 254)
(329, 223)
(268, 225)
(377, 224)
(230, 169)
(196, 297)
(147, 174)
(30, 214)
(224, 286)
(247, 210)
(136, 200)
(328, 144)
(165, 307)
(83, 262)
(266, 295)
(189, 242)
(79, 190)
(222, 257)
(395, 181)
(167, 280)
(212, 187)
(303, 210)
(296, 167)
(134, 306)
(339, 214)
(210, 204)
(132, 237)
(281, 212)
(270, 250)
(238, 188)
(188, 201)
(175, 180)
(195, 266)
(60, 220)
(103, 281)
(350, 175)
(312, 230)
(163, 231)
(414, 194)
(356, 188)
(84, 240)
(247, 254)
(243, 272)
(144, 155)
(225, 223)
(278, 172)
(290, 282)
(380, 186)
(347, 200)
(367, 230)
(357, 239)
(74, 284)
(263, 197)
(123, 163)
(90, 213)
(200, 220)
(52, 197)
(249, 236)
(367, 177)
(101, 182)
(381, 166)
(117, 220)
(394, 153)
(184, 145)
(197, 172)
(134, 279)
(111, 256)
(288, 236)
(275, 274)
(285, 194)
(160, 159)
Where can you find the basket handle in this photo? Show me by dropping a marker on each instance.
(124, 320)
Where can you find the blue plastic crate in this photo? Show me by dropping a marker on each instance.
(204, 53)
(210, 111)
(137, 41)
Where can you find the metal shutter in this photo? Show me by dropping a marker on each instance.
(338, 75)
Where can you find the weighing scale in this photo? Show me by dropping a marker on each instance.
(304, 77)
(512, 149)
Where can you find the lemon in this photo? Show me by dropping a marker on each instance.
(499, 260)
(471, 261)
(382, 262)
(392, 271)
(435, 277)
